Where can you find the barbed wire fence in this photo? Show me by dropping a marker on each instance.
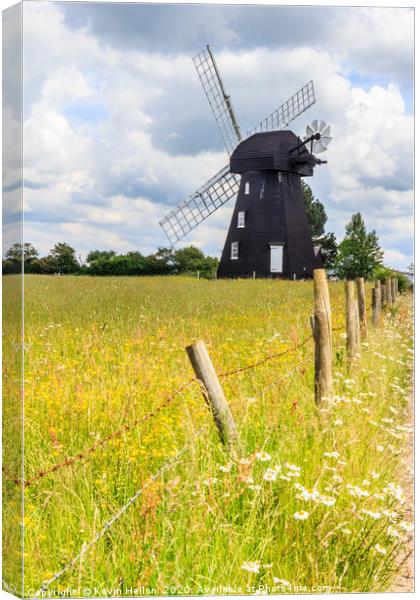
(217, 411)
(86, 454)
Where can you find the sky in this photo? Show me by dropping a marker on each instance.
(117, 129)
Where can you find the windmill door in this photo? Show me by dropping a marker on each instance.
(276, 259)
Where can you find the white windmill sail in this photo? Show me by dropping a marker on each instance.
(218, 99)
(288, 111)
(195, 209)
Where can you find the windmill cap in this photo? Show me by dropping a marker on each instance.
(270, 151)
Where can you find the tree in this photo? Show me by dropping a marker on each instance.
(14, 256)
(315, 211)
(64, 258)
(328, 249)
(191, 259)
(359, 253)
(97, 255)
(27, 251)
(317, 218)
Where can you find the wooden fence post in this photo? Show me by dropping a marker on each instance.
(388, 291)
(361, 303)
(378, 287)
(383, 296)
(393, 294)
(395, 288)
(351, 325)
(213, 393)
(376, 306)
(357, 323)
(322, 337)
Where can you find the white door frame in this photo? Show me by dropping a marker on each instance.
(276, 258)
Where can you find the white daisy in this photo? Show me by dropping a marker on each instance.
(380, 550)
(262, 456)
(332, 454)
(251, 566)
(270, 475)
(226, 468)
(301, 515)
(282, 582)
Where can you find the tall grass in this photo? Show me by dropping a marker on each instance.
(314, 499)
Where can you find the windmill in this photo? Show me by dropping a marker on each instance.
(269, 233)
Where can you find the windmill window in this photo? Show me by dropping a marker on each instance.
(247, 186)
(241, 219)
(234, 251)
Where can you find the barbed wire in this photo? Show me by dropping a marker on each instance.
(265, 359)
(99, 443)
(86, 454)
(128, 427)
(108, 524)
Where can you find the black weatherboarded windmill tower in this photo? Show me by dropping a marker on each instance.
(269, 234)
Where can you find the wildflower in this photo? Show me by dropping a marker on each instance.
(293, 474)
(392, 532)
(210, 481)
(406, 526)
(282, 582)
(369, 513)
(379, 549)
(355, 490)
(374, 475)
(301, 515)
(268, 566)
(378, 496)
(251, 566)
(307, 495)
(292, 467)
(332, 454)
(395, 491)
(254, 488)
(244, 461)
(366, 482)
(337, 479)
(263, 456)
(252, 399)
(226, 468)
(338, 422)
(270, 475)
(391, 514)
(327, 500)
(380, 448)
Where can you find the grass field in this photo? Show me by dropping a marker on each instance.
(314, 499)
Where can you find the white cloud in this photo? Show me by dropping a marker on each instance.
(116, 136)
(376, 40)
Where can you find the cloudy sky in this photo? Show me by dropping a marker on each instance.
(118, 131)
